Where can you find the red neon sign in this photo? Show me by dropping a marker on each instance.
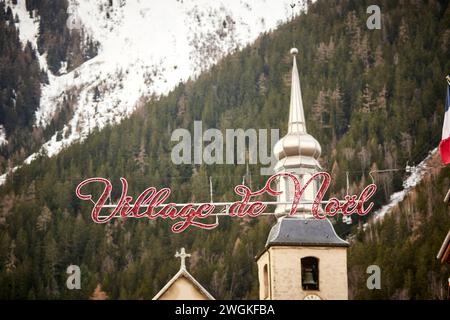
(151, 203)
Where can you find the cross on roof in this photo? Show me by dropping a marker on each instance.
(182, 255)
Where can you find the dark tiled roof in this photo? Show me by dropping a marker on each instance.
(296, 231)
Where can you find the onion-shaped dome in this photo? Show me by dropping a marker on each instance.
(297, 144)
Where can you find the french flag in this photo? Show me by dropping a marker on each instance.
(444, 146)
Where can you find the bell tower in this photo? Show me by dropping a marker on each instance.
(303, 257)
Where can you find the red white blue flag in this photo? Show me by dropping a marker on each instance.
(444, 146)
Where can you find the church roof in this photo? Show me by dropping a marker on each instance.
(297, 231)
(184, 273)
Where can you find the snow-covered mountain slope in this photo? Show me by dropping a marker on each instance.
(145, 49)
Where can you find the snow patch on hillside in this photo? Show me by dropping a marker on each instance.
(416, 176)
(3, 140)
(28, 27)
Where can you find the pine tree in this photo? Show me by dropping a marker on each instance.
(44, 219)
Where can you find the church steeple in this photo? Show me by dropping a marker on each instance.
(296, 113)
(303, 257)
(297, 152)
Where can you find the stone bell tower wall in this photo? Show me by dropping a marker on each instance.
(284, 272)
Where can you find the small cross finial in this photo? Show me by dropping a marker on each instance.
(182, 255)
